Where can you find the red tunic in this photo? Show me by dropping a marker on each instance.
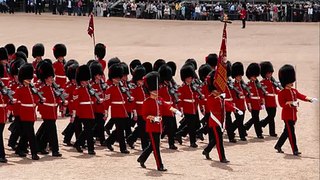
(229, 99)
(83, 104)
(270, 97)
(3, 112)
(48, 109)
(241, 100)
(187, 100)
(15, 108)
(6, 77)
(115, 99)
(103, 64)
(98, 107)
(243, 14)
(128, 105)
(167, 98)
(27, 101)
(203, 102)
(289, 112)
(60, 75)
(152, 107)
(139, 97)
(70, 91)
(255, 99)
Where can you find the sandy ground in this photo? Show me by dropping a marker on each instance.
(148, 40)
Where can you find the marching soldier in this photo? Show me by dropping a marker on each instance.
(288, 100)
(37, 54)
(270, 97)
(3, 119)
(100, 52)
(152, 111)
(254, 101)
(4, 61)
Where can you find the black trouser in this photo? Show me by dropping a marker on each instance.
(140, 131)
(229, 126)
(206, 129)
(217, 140)
(239, 124)
(271, 111)
(98, 128)
(192, 126)
(109, 124)
(118, 134)
(254, 120)
(27, 136)
(154, 146)
(169, 128)
(86, 134)
(243, 23)
(128, 126)
(37, 9)
(49, 135)
(73, 127)
(288, 132)
(15, 129)
(2, 153)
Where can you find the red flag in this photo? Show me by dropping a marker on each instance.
(220, 79)
(91, 26)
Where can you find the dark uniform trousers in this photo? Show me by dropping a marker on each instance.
(118, 134)
(128, 126)
(109, 124)
(271, 111)
(27, 135)
(192, 125)
(15, 129)
(2, 153)
(229, 126)
(256, 121)
(49, 135)
(140, 132)
(154, 146)
(169, 128)
(288, 132)
(98, 129)
(218, 141)
(73, 127)
(238, 124)
(86, 134)
(205, 129)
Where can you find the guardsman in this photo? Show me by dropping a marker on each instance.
(270, 97)
(4, 61)
(100, 52)
(83, 109)
(11, 49)
(37, 54)
(3, 119)
(254, 102)
(288, 100)
(152, 110)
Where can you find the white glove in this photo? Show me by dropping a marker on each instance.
(240, 112)
(263, 106)
(178, 113)
(223, 95)
(157, 119)
(295, 103)
(313, 100)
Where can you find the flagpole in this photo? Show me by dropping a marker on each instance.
(94, 45)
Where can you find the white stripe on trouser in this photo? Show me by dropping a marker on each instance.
(216, 120)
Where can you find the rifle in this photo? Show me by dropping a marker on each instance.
(231, 87)
(196, 87)
(103, 85)
(59, 92)
(245, 87)
(259, 85)
(5, 91)
(276, 84)
(125, 90)
(173, 92)
(93, 92)
(35, 91)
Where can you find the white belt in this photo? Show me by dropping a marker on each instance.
(117, 102)
(189, 100)
(168, 102)
(229, 99)
(139, 102)
(241, 97)
(61, 76)
(5, 78)
(88, 102)
(3, 105)
(255, 97)
(50, 104)
(28, 105)
(272, 95)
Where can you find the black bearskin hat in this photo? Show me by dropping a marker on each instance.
(59, 50)
(100, 50)
(187, 71)
(210, 81)
(40, 64)
(115, 71)
(173, 67)
(152, 81)
(237, 69)
(147, 66)
(25, 72)
(15, 66)
(70, 69)
(83, 73)
(133, 64)
(90, 61)
(95, 68)
(125, 68)
(38, 50)
(253, 70)
(212, 60)
(165, 73)
(158, 63)
(1, 70)
(193, 62)
(45, 70)
(11, 49)
(266, 67)
(287, 75)
(23, 49)
(138, 73)
(228, 67)
(3, 54)
(114, 60)
(203, 71)
(20, 54)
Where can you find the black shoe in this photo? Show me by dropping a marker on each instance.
(296, 153)
(243, 139)
(260, 137)
(232, 140)
(224, 161)
(162, 169)
(56, 154)
(179, 139)
(68, 143)
(92, 152)
(78, 148)
(3, 160)
(109, 146)
(35, 157)
(200, 136)
(125, 152)
(279, 150)
(21, 154)
(173, 147)
(194, 145)
(108, 131)
(130, 143)
(206, 154)
(43, 152)
(141, 163)
(274, 135)
(162, 135)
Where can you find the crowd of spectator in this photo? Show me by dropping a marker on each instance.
(305, 11)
